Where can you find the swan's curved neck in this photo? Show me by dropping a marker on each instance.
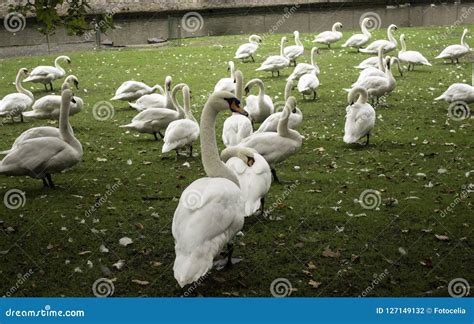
(288, 87)
(232, 70)
(65, 129)
(56, 64)
(175, 102)
(282, 128)
(363, 95)
(253, 39)
(381, 62)
(282, 42)
(213, 166)
(463, 39)
(239, 85)
(159, 88)
(334, 28)
(390, 36)
(19, 86)
(365, 31)
(187, 105)
(404, 45)
(297, 39)
(234, 151)
(313, 57)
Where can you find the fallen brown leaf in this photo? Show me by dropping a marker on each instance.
(442, 237)
(314, 284)
(328, 253)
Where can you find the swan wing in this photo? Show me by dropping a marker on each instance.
(245, 50)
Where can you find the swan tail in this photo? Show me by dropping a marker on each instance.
(129, 126)
(262, 68)
(367, 51)
(439, 98)
(427, 63)
(29, 79)
(347, 90)
(31, 114)
(135, 106)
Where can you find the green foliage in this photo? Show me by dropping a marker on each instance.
(75, 18)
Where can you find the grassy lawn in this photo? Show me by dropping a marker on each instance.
(319, 237)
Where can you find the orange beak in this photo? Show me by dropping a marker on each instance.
(236, 108)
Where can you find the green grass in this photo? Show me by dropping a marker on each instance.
(52, 236)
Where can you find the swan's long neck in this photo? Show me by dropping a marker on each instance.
(239, 80)
(56, 64)
(282, 128)
(363, 95)
(253, 39)
(463, 39)
(313, 55)
(390, 36)
(297, 39)
(232, 70)
(365, 31)
(334, 28)
(187, 104)
(404, 45)
(381, 63)
(19, 86)
(176, 104)
(159, 88)
(389, 74)
(288, 87)
(235, 151)
(213, 166)
(65, 129)
(282, 42)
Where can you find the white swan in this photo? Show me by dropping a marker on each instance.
(387, 45)
(373, 71)
(378, 86)
(411, 58)
(182, 132)
(211, 210)
(227, 84)
(358, 40)
(236, 127)
(49, 107)
(47, 74)
(261, 106)
(305, 68)
(276, 147)
(155, 100)
(248, 49)
(43, 156)
(253, 172)
(271, 123)
(330, 36)
(454, 52)
(308, 84)
(275, 63)
(360, 117)
(294, 51)
(153, 120)
(458, 92)
(14, 104)
(133, 90)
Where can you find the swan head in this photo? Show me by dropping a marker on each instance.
(23, 71)
(223, 100)
(70, 81)
(64, 58)
(246, 154)
(230, 65)
(337, 25)
(315, 50)
(402, 37)
(356, 91)
(168, 80)
(290, 105)
(67, 96)
(296, 33)
(393, 27)
(365, 21)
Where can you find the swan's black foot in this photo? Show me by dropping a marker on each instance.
(50, 181)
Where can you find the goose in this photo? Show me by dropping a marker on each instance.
(261, 106)
(182, 132)
(14, 104)
(155, 100)
(330, 36)
(454, 52)
(43, 156)
(211, 210)
(271, 123)
(378, 86)
(153, 120)
(358, 40)
(253, 172)
(294, 51)
(308, 84)
(275, 63)
(360, 117)
(236, 127)
(276, 147)
(387, 45)
(248, 49)
(47, 74)
(49, 107)
(227, 84)
(411, 58)
(133, 90)
(305, 68)
(458, 92)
